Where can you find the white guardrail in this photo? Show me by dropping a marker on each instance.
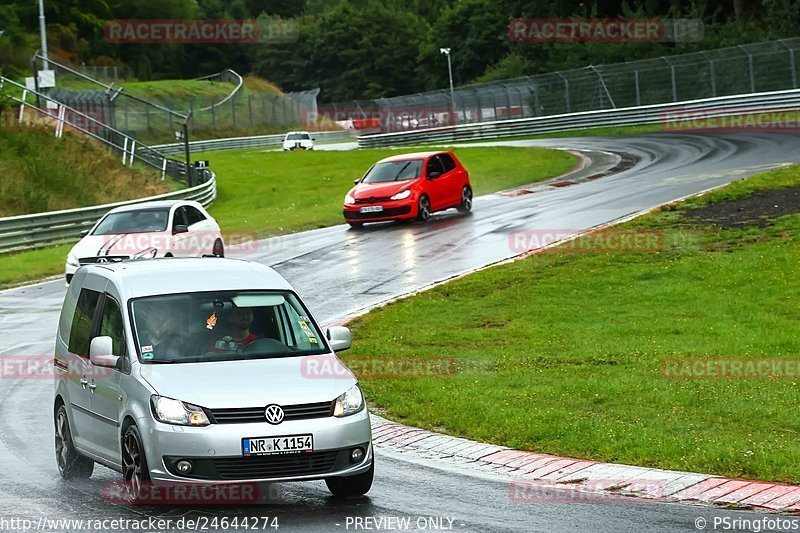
(256, 141)
(26, 232)
(667, 114)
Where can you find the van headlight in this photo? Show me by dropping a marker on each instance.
(349, 403)
(402, 195)
(73, 260)
(349, 200)
(177, 412)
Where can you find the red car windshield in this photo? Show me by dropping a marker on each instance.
(408, 169)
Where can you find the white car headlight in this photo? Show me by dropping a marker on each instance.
(349, 200)
(177, 412)
(349, 403)
(146, 254)
(73, 260)
(402, 195)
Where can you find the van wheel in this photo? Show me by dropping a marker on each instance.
(356, 225)
(466, 200)
(352, 485)
(71, 464)
(134, 465)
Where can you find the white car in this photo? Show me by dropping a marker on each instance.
(298, 140)
(169, 228)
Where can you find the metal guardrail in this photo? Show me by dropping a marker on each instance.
(706, 108)
(228, 75)
(257, 141)
(27, 232)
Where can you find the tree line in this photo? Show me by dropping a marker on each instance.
(363, 49)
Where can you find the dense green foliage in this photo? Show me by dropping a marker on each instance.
(374, 48)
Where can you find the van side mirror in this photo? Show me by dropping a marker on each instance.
(84, 233)
(356, 180)
(101, 352)
(180, 228)
(339, 338)
(433, 175)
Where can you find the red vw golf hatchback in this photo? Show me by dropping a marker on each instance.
(409, 186)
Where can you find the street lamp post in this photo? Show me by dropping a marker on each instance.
(43, 35)
(446, 51)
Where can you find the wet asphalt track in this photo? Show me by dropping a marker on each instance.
(339, 271)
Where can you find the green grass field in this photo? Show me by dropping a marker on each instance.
(276, 193)
(289, 192)
(562, 353)
(40, 173)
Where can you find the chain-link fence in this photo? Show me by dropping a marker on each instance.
(26, 107)
(751, 68)
(161, 120)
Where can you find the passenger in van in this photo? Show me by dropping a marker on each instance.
(158, 337)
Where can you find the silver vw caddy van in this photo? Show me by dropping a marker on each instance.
(203, 370)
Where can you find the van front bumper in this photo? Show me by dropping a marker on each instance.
(215, 451)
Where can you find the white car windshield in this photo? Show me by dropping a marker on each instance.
(223, 326)
(298, 137)
(145, 220)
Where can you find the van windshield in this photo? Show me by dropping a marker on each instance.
(223, 326)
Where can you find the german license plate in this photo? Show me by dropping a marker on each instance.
(277, 445)
(371, 209)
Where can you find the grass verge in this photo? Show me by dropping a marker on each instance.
(41, 173)
(278, 192)
(34, 264)
(564, 353)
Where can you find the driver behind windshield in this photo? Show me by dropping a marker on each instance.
(235, 333)
(161, 337)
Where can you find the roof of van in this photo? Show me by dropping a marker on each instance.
(171, 275)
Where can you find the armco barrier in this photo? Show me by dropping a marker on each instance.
(631, 116)
(27, 232)
(256, 141)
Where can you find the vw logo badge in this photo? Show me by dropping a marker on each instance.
(274, 414)
(102, 260)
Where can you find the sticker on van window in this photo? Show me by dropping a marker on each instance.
(148, 356)
(310, 334)
(147, 349)
(212, 321)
